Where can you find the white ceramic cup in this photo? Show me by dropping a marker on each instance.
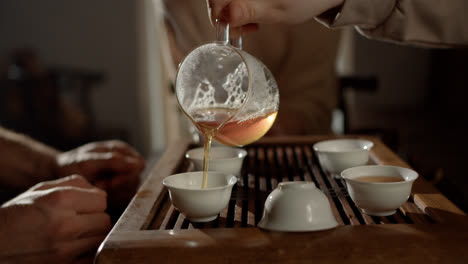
(224, 159)
(379, 198)
(339, 154)
(297, 207)
(197, 204)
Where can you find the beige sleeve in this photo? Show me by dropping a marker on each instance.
(422, 22)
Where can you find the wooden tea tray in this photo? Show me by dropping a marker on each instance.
(427, 228)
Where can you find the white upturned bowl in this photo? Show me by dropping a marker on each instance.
(224, 159)
(195, 203)
(297, 207)
(339, 154)
(379, 199)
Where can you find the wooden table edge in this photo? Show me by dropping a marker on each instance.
(356, 244)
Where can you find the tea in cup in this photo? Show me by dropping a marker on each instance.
(379, 190)
(196, 203)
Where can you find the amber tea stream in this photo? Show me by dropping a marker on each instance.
(235, 133)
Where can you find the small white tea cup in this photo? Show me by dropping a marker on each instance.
(379, 198)
(197, 204)
(339, 154)
(297, 207)
(224, 159)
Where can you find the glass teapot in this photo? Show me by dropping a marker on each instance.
(226, 91)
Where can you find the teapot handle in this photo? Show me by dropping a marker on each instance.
(223, 36)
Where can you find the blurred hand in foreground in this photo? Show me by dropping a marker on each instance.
(59, 221)
(113, 166)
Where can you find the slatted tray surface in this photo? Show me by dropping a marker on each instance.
(264, 167)
(428, 228)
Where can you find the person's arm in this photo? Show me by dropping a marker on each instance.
(421, 22)
(111, 165)
(24, 161)
(246, 12)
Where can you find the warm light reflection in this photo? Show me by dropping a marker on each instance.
(309, 213)
(271, 118)
(191, 244)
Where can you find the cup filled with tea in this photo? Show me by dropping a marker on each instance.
(195, 203)
(379, 190)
